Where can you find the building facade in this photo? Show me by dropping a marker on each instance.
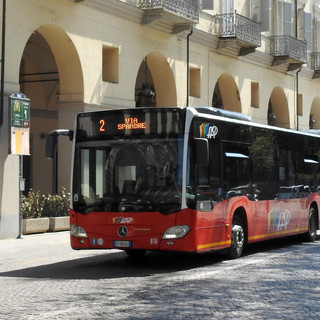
(257, 57)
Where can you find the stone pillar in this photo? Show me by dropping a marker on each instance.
(9, 181)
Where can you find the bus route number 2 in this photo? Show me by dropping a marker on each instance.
(102, 125)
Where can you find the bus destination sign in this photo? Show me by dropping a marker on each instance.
(131, 123)
(128, 124)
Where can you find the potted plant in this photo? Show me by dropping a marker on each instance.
(48, 212)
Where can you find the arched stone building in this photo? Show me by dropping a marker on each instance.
(69, 56)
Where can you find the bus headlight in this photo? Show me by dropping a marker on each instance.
(176, 232)
(77, 231)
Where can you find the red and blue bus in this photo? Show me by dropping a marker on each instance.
(194, 179)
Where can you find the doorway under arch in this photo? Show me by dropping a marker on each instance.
(156, 75)
(314, 118)
(226, 94)
(50, 73)
(278, 110)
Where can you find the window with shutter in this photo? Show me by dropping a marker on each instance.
(287, 18)
(255, 10)
(227, 6)
(265, 6)
(304, 27)
(308, 30)
(300, 24)
(207, 4)
(316, 34)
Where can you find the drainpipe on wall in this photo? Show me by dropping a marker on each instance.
(2, 59)
(188, 63)
(297, 97)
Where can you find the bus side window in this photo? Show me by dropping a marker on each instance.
(263, 154)
(215, 168)
(236, 170)
(204, 183)
(286, 168)
(310, 172)
(201, 148)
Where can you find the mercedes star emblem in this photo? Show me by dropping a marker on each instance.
(122, 231)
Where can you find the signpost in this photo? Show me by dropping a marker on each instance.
(19, 106)
(20, 124)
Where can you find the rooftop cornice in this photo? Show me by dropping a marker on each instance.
(201, 37)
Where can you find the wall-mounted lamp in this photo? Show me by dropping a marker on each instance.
(311, 121)
(271, 117)
(146, 96)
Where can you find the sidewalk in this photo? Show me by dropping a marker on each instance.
(39, 249)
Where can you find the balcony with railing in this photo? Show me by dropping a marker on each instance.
(315, 64)
(181, 13)
(235, 29)
(287, 49)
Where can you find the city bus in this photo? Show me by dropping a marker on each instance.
(194, 179)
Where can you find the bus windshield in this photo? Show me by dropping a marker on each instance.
(125, 175)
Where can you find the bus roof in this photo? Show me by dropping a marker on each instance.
(232, 116)
(223, 113)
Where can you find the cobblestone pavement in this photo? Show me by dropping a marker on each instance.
(42, 278)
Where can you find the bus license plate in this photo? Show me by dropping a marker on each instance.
(121, 244)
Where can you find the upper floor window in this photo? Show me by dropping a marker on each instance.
(276, 16)
(304, 27)
(260, 11)
(316, 35)
(227, 6)
(285, 23)
(316, 27)
(207, 4)
(283, 18)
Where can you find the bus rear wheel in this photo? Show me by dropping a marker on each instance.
(311, 235)
(237, 238)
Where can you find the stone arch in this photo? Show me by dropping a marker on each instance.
(278, 110)
(50, 73)
(314, 118)
(155, 71)
(68, 62)
(226, 94)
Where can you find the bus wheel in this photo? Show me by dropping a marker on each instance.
(135, 253)
(311, 235)
(237, 238)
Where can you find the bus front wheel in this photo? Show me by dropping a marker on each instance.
(311, 235)
(237, 238)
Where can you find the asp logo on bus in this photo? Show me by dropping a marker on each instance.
(120, 220)
(278, 219)
(207, 131)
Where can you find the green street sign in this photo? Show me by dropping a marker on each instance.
(20, 111)
(19, 106)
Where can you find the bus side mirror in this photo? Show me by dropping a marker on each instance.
(52, 141)
(201, 147)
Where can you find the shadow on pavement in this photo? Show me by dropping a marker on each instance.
(118, 265)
